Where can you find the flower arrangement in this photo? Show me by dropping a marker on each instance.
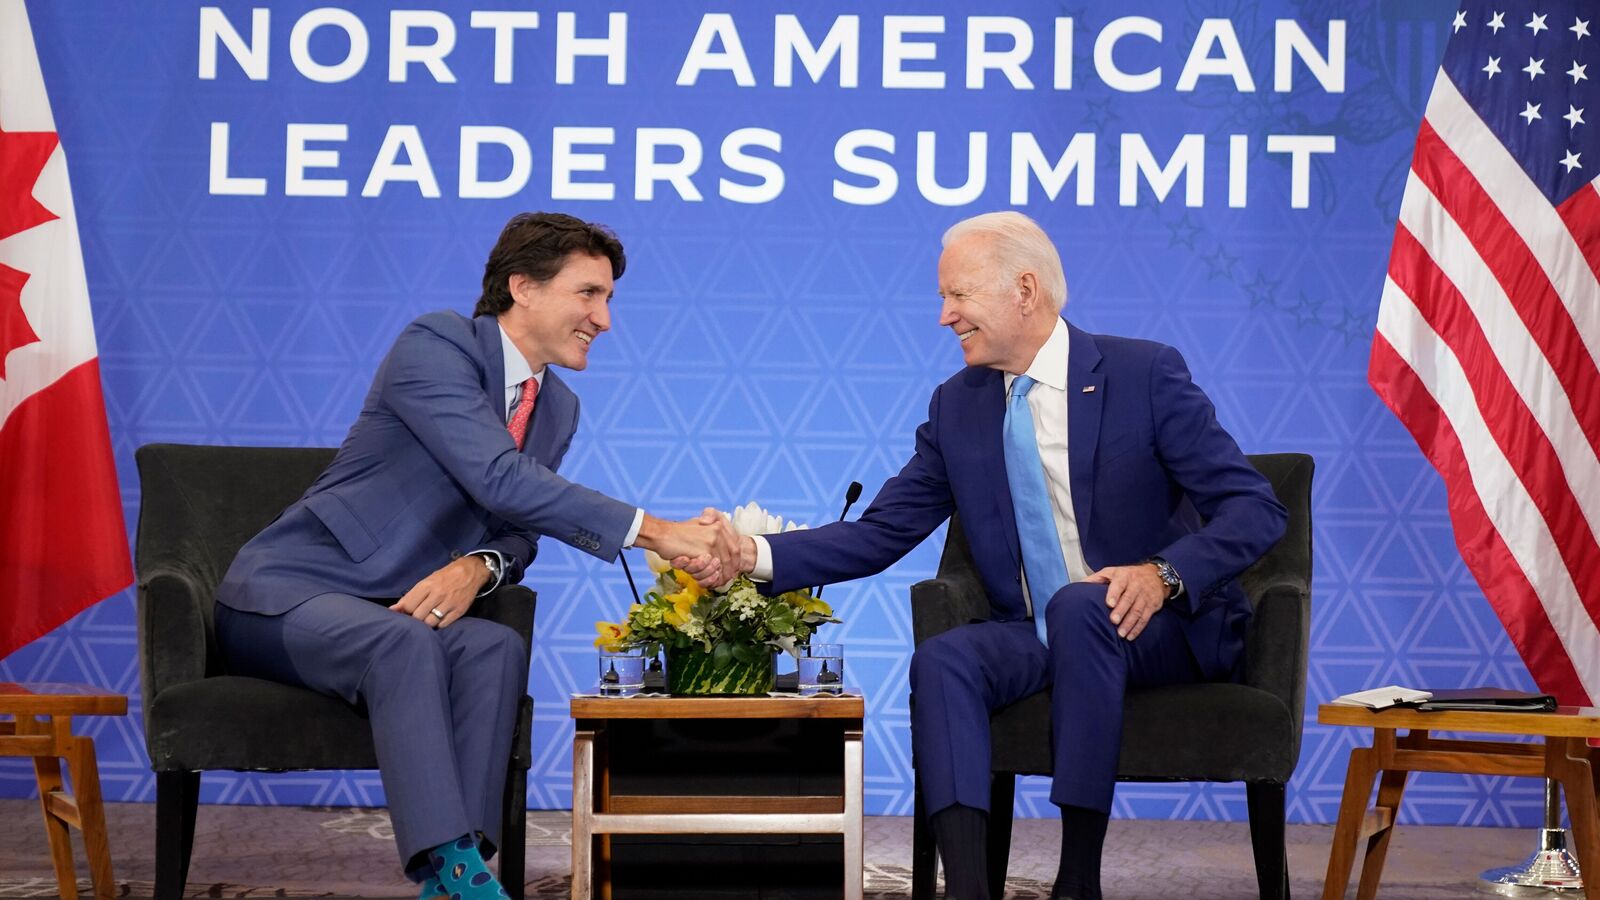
(718, 640)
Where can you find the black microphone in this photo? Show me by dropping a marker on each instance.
(851, 495)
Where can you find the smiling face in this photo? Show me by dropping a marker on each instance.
(997, 316)
(555, 322)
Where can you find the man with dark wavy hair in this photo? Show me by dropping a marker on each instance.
(438, 495)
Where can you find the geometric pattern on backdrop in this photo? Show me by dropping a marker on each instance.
(778, 351)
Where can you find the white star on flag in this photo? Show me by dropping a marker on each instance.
(1498, 22)
(1577, 72)
(1534, 68)
(1581, 28)
(1460, 22)
(1530, 112)
(1574, 116)
(1537, 24)
(1493, 68)
(1571, 161)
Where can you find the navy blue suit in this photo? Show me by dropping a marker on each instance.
(1152, 474)
(427, 472)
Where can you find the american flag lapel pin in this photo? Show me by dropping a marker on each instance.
(1089, 389)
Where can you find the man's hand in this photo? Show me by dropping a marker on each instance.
(706, 547)
(744, 558)
(1135, 594)
(447, 594)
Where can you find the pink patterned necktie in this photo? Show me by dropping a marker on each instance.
(518, 426)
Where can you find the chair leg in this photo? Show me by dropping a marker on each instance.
(1002, 798)
(514, 833)
(924, 858)
(177, 799)
(1265, 801)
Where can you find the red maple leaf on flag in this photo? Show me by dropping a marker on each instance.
(14, 328)
(22, 158)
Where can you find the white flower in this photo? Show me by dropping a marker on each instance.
(752, 519)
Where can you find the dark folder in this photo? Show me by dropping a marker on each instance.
(1487, 699)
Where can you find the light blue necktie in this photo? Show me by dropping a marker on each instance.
(1042, 561)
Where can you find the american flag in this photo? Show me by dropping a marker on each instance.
(1489, 328)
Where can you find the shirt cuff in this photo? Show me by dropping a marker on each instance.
(633, 533)
(763, 567)
(499, 571)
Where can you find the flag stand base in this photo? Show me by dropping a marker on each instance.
(1550, 871)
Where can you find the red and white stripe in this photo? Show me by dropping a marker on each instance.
(1486, 349)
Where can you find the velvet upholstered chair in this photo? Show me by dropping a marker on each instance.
(200, 504)
(1247, 732)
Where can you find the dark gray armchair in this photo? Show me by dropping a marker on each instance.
(199, 506)
(1247, 732)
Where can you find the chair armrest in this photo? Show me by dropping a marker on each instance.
(172, 631)
(1277, 646)
(511, 605)
(940, 604)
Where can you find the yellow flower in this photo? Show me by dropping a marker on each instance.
(688, 584)
(611, 635)
(655, 562)
(815, 605)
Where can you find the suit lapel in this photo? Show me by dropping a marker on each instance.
(1085, 402)
(989, 397)
(549, 412)
(494, 362)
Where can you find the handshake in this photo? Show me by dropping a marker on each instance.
(707, 547)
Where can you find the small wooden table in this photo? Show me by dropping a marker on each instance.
(41, 727)
(597, 813)
(1564, 756)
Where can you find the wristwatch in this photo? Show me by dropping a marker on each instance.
(492, 560)
(1169, 575)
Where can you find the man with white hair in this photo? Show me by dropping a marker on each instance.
(1108, 513)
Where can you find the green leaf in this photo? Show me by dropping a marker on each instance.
(721, 654)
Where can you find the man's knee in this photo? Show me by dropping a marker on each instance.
(490, 647)
(1078, 609)
(940, 659)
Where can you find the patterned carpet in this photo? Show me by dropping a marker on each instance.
(246, 852)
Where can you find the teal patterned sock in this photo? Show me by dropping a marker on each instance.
(461, 872)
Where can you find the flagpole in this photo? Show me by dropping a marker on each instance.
(1551, 870)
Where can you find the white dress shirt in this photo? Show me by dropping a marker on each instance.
(1048, 403)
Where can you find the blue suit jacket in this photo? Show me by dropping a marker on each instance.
(1152, 472)
(427, 472)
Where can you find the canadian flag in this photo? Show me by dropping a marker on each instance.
(63, 546)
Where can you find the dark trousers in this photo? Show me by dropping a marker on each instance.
(959, 677)
(442, 703)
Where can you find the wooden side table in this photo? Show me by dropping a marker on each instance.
(41, 728)
(1564, 756)
(598, 813)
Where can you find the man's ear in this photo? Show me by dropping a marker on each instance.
(1028, 297)
(517, 285)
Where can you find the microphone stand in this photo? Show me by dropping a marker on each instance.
(851, 495)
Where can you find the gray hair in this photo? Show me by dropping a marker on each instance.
(1021, 246)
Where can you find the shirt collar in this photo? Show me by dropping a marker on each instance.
(1049, 367)
(517, 368)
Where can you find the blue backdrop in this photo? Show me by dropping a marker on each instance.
(267, 194)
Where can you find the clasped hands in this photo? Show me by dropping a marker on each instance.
(706, 547)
